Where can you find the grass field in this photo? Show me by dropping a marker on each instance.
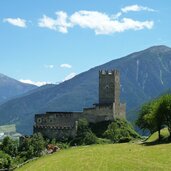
(110, 157)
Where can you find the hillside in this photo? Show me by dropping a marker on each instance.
(144, 75)
(120, 157)
(10, 88)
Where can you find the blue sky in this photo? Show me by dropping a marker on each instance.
(52, 40)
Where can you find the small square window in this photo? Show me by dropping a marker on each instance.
(39, 120)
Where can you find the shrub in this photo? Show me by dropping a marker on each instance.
(89, 138)
(38, 144)
(84, 134)
(10, 146)
(32, 146)
(120, 131)
(5, 160)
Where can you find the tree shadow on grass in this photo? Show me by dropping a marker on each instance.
(164, 140)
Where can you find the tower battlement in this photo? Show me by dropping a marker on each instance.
(107, 72)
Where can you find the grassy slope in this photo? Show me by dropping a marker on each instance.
(154, 137)
(118, 157)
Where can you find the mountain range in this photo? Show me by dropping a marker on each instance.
(10, 88)
(144, 75)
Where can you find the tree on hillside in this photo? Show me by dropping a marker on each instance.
(164, 109)
(38, 144)
(156, 114)
(150, 118)
(144, 120)
(6, 161)
(32, 146)
(10, 146)
(157, 117)
(26, 149)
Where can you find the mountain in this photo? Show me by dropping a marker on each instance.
(10, 88)
(144, 75)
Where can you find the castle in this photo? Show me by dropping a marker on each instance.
(60, 125)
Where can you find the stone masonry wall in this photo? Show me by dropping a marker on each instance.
(56, 124)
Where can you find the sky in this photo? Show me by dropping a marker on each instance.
(50, 41)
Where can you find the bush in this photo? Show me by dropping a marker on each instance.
(38, 144)
(10, 146)
(84, 134)
(89, 138)
(32, 146)
(120, 131)
(5, 160)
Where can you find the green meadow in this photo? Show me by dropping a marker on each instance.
(107, 157)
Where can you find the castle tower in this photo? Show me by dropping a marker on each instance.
(109, 91)
(109, 87)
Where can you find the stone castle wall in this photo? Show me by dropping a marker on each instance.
(56, 124)
(55, 132)
(61, 125)
(119, 110)
(98, 113)
(122, 110)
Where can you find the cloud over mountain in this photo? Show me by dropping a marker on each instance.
(37, 83)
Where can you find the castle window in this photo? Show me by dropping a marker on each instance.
(107, 87)
(39, 120)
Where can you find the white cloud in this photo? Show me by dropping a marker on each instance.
(136, 8)
(16, 21)
(59, 24)
(47, 22)
(49, 66)
(65, 66)
(100, 23)
(103, 24)
(37, 83)
(71, 75)
(136, 25)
